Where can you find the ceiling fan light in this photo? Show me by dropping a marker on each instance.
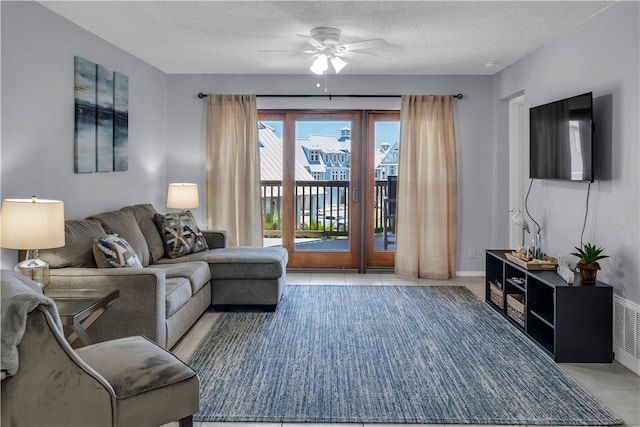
(338, 64)
(320, 65)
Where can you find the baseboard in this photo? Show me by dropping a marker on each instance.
(382, 270)
(470, 273)
(323, 270)
(627, 360)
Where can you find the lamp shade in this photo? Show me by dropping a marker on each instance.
(338, 64)
(32, 224)
(182, 195)
(320, 65)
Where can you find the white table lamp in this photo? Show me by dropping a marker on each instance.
(32, 224)
(182, 195)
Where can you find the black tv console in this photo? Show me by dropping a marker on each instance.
(573, 323)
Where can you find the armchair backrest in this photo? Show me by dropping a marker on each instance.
(52, 385)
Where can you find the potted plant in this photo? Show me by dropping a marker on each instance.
(588, 264)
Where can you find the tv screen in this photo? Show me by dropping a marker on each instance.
(560, 139)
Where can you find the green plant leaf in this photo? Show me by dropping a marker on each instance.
(589, 253)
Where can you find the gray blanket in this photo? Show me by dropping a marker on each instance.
(18, 297)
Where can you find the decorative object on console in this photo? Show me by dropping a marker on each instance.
(536, 247)
(536, 241)
(32, 224)
(518, 219)
(588, 265)
(101, 120)
(524, 258)
(564, 271)
(183, 196)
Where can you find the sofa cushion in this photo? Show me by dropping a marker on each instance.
(197, 272)
(177, 293)
(144, 214)
(180, 234)
(78, 247)
(124, 224)
(114, 251)
(241, 262)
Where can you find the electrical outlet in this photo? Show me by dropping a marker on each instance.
(472, 252)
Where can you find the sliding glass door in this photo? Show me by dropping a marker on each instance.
(310, 194)
(328, 186)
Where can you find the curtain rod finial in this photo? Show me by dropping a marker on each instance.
(201, 95)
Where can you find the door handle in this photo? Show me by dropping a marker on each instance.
(356, 194)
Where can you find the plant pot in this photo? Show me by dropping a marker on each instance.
(588, 275)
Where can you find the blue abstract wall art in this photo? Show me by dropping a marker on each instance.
(101, 118)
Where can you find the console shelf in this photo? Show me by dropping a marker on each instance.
(573, 323)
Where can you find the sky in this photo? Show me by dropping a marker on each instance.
(385, 131)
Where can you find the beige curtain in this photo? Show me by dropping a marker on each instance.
(233, 168)
(427, 188)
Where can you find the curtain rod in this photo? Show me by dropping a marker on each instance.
(457, 96)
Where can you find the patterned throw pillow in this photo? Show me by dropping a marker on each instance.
(180, 234)
(114, 251)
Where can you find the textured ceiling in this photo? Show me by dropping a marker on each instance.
(423, 37)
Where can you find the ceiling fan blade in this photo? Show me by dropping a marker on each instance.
(313, 42)
(365, 44)
(353, 53)
(288, 51)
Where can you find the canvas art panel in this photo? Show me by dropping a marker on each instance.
(104, 140)
(121, 123)
(85, 125)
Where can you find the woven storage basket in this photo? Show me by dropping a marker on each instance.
(516, 308)
(496, 295)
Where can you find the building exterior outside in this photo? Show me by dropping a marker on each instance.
(317, 158)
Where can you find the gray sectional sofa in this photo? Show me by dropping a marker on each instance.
(163, 299)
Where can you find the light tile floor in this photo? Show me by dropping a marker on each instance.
(614, 385)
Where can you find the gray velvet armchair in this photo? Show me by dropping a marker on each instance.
(124, 382)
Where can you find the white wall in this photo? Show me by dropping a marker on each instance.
(473, 115)
(602, 56)
(38, 47)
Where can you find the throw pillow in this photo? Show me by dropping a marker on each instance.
(180, 234)
(114, 251)
(124, 224)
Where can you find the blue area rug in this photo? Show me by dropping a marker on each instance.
(376, 354)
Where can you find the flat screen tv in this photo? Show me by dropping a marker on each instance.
(560, 139)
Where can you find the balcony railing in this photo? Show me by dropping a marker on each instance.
(321, 207)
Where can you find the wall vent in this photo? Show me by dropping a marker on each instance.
(626, 333)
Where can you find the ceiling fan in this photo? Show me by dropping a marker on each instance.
(326, 48)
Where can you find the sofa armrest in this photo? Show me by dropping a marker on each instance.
(140, 309)
(216, 239)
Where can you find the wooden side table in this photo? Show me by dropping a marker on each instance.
(79, 308)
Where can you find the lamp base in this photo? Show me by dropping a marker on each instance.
(35, 269)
